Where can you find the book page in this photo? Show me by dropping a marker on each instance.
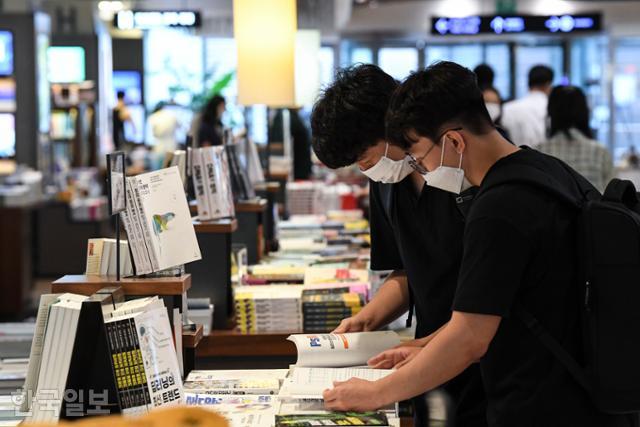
(240, 374)
(167, 218)
(336, 350)
(94, 256)
(309, 383)
(37, 346)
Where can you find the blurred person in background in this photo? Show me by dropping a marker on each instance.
(163, 124)
(301, 140)
(485, 76)
(211, 129)
(571, 138)
(493, 102)
(525, 118)
(120, 115)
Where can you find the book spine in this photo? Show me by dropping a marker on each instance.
(199, 185)
(145, 261)
(225, 178)
(137, 382)
(216, 203)
(329, 317)
(141, 375)
(148, 237)
(115, 349)
(337, 311)
(129, 227)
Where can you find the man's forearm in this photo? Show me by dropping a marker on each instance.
(389, 303)
(421, 342)
(450, 352)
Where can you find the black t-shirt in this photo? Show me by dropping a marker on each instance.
(210, 134)
(118, 128)
(519, 249)
(423, 236)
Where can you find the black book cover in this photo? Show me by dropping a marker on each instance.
(91, 380)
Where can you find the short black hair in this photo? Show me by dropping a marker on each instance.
(568, 109)
(540, 75)
(348, 117)
(443, 94)
(120, 94)
(485, 76)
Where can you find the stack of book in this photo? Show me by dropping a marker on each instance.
(332, 294)
(344, 279)
(244, 398)
(240, 182)
(324, 309)
(263, 274)
(212, 183)
(113, 359)
(158, 222)
(304, 198)
(317, 198)
(268, 309)
(102, 258)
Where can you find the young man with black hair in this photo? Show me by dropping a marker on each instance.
(415, 231)
(525, 118)
(519, 252)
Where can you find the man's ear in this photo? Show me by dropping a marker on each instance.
(457, 141)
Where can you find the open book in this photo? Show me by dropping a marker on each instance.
(325, 358)
(339, 350)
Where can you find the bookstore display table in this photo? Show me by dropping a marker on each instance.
(211, 276)
(269, 191)
(253, 226)
(251, 215)
(16, 256)
(230, 343)
(54, 229)
(190, 342)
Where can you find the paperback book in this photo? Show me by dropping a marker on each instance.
(158, 222)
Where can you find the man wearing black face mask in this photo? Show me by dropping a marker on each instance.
(415, 231)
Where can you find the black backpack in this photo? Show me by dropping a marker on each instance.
(608, 244)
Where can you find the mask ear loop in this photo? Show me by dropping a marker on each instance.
(444, 142)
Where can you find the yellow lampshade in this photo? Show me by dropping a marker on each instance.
(265, 33)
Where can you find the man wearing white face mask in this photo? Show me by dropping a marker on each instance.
(519, 254)
(416, 231)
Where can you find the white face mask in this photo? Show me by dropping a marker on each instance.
(494, 110)
(447, 178)
(389, 171)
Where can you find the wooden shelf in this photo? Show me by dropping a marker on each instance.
(280, 176)
(219, 226)
(269, 186)
(231, 343)
(256, 205)
(137, 286)
(191, 339)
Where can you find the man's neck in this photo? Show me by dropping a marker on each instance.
(487, 151)
(538, 90)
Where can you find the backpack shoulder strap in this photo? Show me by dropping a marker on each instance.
(531, 176)
(576, 371)
(621, 191)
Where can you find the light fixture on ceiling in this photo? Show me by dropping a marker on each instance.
(265, 34)
(108, 8)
